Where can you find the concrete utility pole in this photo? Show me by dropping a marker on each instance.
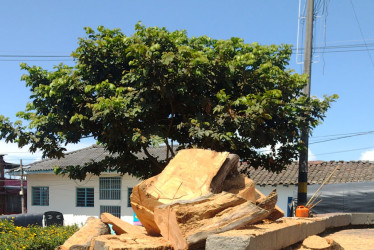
(303, 157)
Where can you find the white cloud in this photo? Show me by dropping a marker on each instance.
(311, 156)
(14, 154)
(367, 156)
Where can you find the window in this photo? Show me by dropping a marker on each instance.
(110, 188)
(40, 196)
(129, 192)
(115, 210)
(85, 197)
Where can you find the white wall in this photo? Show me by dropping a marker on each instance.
(283, 192)
(62, 196)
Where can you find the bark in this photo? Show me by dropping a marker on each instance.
(187, 224)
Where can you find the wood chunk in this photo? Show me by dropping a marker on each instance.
(187, 224)
(187, 176)
(231, 162)
(82, 239)
(240, 185)
(129, 242)
(143, 204)
(268, 203)
(277, 211)
(119, 226)
(316, 242)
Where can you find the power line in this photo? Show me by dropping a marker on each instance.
(321, 49)
(344, 151)
(343, 137)
(31, 56)
(353, 133)
(362, 34)
(35, 60)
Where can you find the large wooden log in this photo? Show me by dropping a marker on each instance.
(190, 174)
(187, 224)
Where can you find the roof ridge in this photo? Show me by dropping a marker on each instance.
(68, 153)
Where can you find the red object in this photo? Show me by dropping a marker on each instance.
(302, 211)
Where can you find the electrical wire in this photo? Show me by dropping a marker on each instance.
(343, 137)
(344, 151)
(320, 49)
(353, 133)
(362, 34)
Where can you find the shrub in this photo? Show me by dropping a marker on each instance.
(33, 237)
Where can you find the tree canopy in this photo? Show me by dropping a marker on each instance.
(159, 87)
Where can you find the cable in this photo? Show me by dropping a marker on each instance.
(341, 137)
(362, 34)
(353, 133)
(343, 151)
(30, 56)
(35, 60)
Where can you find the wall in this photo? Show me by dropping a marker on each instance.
(62, 196)
(283, 191)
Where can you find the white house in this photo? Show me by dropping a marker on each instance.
(110, 192)
(350, 188)
(78, 200)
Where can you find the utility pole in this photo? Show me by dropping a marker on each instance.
(303, 157)
(21, 192)
(2, 185)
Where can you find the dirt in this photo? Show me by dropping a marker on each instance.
(347, 239)
(354, 239)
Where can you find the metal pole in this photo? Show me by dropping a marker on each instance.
(303, 158)
(2, 185)
(21, 192)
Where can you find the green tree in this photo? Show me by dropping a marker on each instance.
(156, 87)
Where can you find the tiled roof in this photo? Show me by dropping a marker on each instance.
(80, 157)
(318, 171)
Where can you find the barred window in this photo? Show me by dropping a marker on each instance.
(129, 192)
(85, 197)
(114, 210)
(110, 188)
(40, 196)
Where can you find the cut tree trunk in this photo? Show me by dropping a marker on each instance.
(190, 174)
(187, 224)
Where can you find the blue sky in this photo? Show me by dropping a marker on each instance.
(53, 27)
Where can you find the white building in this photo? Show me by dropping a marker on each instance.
(110, 192)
